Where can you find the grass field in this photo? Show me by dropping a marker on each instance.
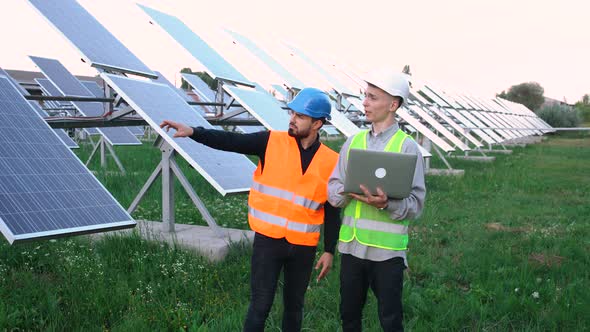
(504, 248)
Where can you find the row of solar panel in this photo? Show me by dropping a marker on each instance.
(36, 200)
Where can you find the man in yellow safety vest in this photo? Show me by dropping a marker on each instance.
(374, 233)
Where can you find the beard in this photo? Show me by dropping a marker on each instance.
(296, 133)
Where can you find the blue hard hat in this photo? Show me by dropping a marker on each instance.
(312, 102)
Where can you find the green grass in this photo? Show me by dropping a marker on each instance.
(504, 248)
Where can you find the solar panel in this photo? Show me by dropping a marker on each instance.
(200, 87)
(282, 91)
(468, 124)
(290, 80)
(98, 92)
(68, 85)
(96, 44)
(441, 114)
(50, 90)
(162, 80)
(66, 139)
(475, 121)
(93, 87)
(45, 191)
(403, 113)
(330, 130)
(487, 123)
(439, 127)
(205, 93)
(434, 97)
(339, 120)
(227, 172)
(215, 65)
(262, 106)
(336, 84)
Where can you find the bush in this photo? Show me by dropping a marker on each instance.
(560, 116)
(584, 110)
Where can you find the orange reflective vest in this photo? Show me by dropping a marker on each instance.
(284, 202)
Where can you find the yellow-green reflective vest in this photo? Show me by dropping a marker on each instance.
(367, 224)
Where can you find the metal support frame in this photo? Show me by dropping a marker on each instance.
(102, 144)
(168, 170)
(219, 98)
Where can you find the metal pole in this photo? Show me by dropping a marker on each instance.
(167, 188)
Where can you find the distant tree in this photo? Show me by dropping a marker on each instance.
(560, 116)
(583, 106)
(529, 94)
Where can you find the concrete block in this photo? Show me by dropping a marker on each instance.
(445, 172)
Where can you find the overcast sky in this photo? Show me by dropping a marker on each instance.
(480, 47)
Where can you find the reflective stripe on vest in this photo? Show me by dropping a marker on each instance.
(278, 221)
(367, 224)
(280, 193)
(284, 202)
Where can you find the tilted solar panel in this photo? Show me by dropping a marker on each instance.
(68, 85)
(228, 172)
(290, 80)
(45, 191)
(66, 139)
(93, 87)
(98, 92)
(96, 44)
(262, 106)
(161, 79)
(216, 66)
(334, 82)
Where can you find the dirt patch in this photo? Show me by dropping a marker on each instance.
(494, 226)
(546, 260)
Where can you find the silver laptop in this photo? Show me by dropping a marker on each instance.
(392, 172)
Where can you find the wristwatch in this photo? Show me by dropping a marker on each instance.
(385, 207)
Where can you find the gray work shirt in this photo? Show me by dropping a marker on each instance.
(399, 209)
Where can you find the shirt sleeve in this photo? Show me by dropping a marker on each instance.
(336, 181)
(250, 144)
(411, 206)
(332, 223)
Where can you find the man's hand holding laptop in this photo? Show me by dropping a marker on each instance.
(379, 201)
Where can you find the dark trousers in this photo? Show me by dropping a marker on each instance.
(385, 279)
(269, 257)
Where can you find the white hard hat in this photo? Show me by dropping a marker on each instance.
(393, 82)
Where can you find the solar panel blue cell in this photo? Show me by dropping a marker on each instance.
(68, 85)
(45, 191)
(227, 172)
(215, 65)
(95, 43)
(66, 139)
